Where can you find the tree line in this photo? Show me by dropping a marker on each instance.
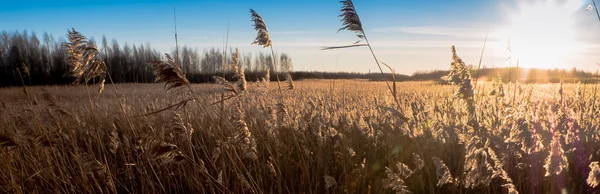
(27, 59)
(512, 74)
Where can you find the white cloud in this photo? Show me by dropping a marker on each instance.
(438, 31)
(298, 32)
(388, 43)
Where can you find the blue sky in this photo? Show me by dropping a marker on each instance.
(410, 35)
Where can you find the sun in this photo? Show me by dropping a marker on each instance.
(542, 33)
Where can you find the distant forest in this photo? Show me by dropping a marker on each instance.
(523, 75)
(42, 62)
(25, 59)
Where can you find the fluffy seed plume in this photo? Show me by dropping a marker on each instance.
(556, 162)
(229, 88)
(262, 36)
(593, 179)
(350, 22)
(226, 85)
(246, 140)
(267, 78)
(289, 81)
(271, 169)
(90, 164)
(395, 181)
(93, 64)
(245, 184)
(166, 153)
(442, 172)
(168, 72)
(75, 48)
(350, 19)
(98, 170)
(236, 60)
(418, 162)
(239, 72)
(460, 75)
(25, 69)
(180, 129)
(478, 171)
(404, 170)
(510, 188)
(83, 58)
(220, 177)
(101, 89)
(281, 112)
(114, 141)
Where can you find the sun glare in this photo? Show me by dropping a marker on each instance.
(542, 33)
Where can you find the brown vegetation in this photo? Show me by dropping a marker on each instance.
(321, 140)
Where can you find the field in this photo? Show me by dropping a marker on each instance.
(342, 136)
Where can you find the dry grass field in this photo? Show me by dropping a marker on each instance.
(458, 134)
(342, 136)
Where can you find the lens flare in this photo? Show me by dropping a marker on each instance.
(543, 33)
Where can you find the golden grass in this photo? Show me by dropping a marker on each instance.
(317, 140)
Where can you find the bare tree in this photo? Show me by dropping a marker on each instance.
(45, 59)
(285, 63)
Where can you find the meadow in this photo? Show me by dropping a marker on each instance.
(342, 136)
(459, 134)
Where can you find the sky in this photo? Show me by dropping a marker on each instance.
(408, 35)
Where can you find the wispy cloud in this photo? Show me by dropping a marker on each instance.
(437, 31)
(298, 32)
(391, 43)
